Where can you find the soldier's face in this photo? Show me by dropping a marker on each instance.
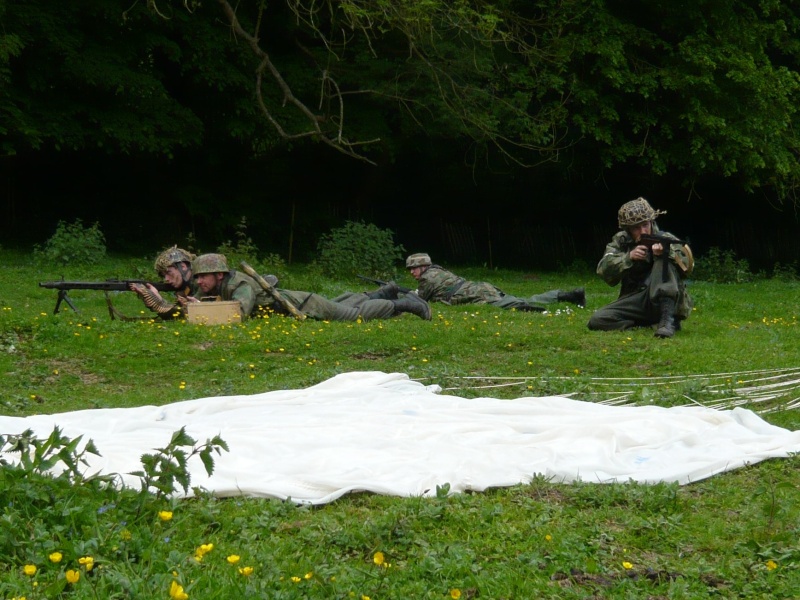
(636, 231)
(416, 272)
(208, 281)
(173, 277)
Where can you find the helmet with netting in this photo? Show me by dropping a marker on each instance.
(637, 211)
(209, 263)
(171, 256)
(418, 260)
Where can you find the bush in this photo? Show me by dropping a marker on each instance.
(73, 244)
(722, 266)
(245, 250)
(359, 248)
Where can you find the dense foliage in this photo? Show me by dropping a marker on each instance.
(698, 88)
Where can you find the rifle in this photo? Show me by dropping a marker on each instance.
(110, 285)
(267, 287)
(401, 289)
(648, 239)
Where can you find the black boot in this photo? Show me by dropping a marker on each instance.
(411, 303)
(666, 327)
(388, 291)
(576, 296)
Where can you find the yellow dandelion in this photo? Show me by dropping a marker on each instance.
(233, 559)
(246, 571)
(308, 575)
(87, 561)
(378, 559)
(548, 537)
(771, 565)
(125, 534)
(29, 570)
(296, 579)
(455, 593)
(72, 576)
(627, 565)
(56, 557)
(165, 515)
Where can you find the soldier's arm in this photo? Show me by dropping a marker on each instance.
(616, 260)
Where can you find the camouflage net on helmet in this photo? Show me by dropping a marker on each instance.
(637, 211)
(172, 256)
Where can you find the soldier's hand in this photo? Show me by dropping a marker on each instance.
(639, 253)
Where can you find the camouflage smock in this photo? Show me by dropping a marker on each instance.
(440, 285)
(617, 266)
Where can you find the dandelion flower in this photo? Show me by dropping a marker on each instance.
(296, 579)
(246, 571)
(87, 561)
(233, 559)
(72, 576)
(627, 565)
(56, 557)
(455, 593)
(29, 570)
(165, 515)
(378, 559)
(771, 565)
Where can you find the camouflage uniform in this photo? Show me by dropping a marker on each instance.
(245, 289)
(644, 284)
(437, 284)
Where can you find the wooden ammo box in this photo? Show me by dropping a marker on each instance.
(214, 313)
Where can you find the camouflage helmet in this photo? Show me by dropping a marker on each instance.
(209, 263)
(637, 211)
(171, 256)
(418, 260)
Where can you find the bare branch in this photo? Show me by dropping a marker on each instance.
(266, 66)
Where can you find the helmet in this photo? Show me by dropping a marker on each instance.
(209, 263)
(171, 256)
(637, 211)
(418, 260)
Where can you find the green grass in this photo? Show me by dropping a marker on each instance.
(714, 538)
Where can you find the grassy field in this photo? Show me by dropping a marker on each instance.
(731, 536)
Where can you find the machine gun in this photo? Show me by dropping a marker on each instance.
(110, 285)
(400, 288)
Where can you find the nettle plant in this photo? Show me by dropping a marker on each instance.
(359, 248)
(73, 244)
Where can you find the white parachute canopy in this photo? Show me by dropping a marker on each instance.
(386, 434)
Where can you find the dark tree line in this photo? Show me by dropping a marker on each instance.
(179, 116)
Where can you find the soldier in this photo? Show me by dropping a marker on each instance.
(214, 279)
(437, 284)
(174, 265)
(653, 290)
